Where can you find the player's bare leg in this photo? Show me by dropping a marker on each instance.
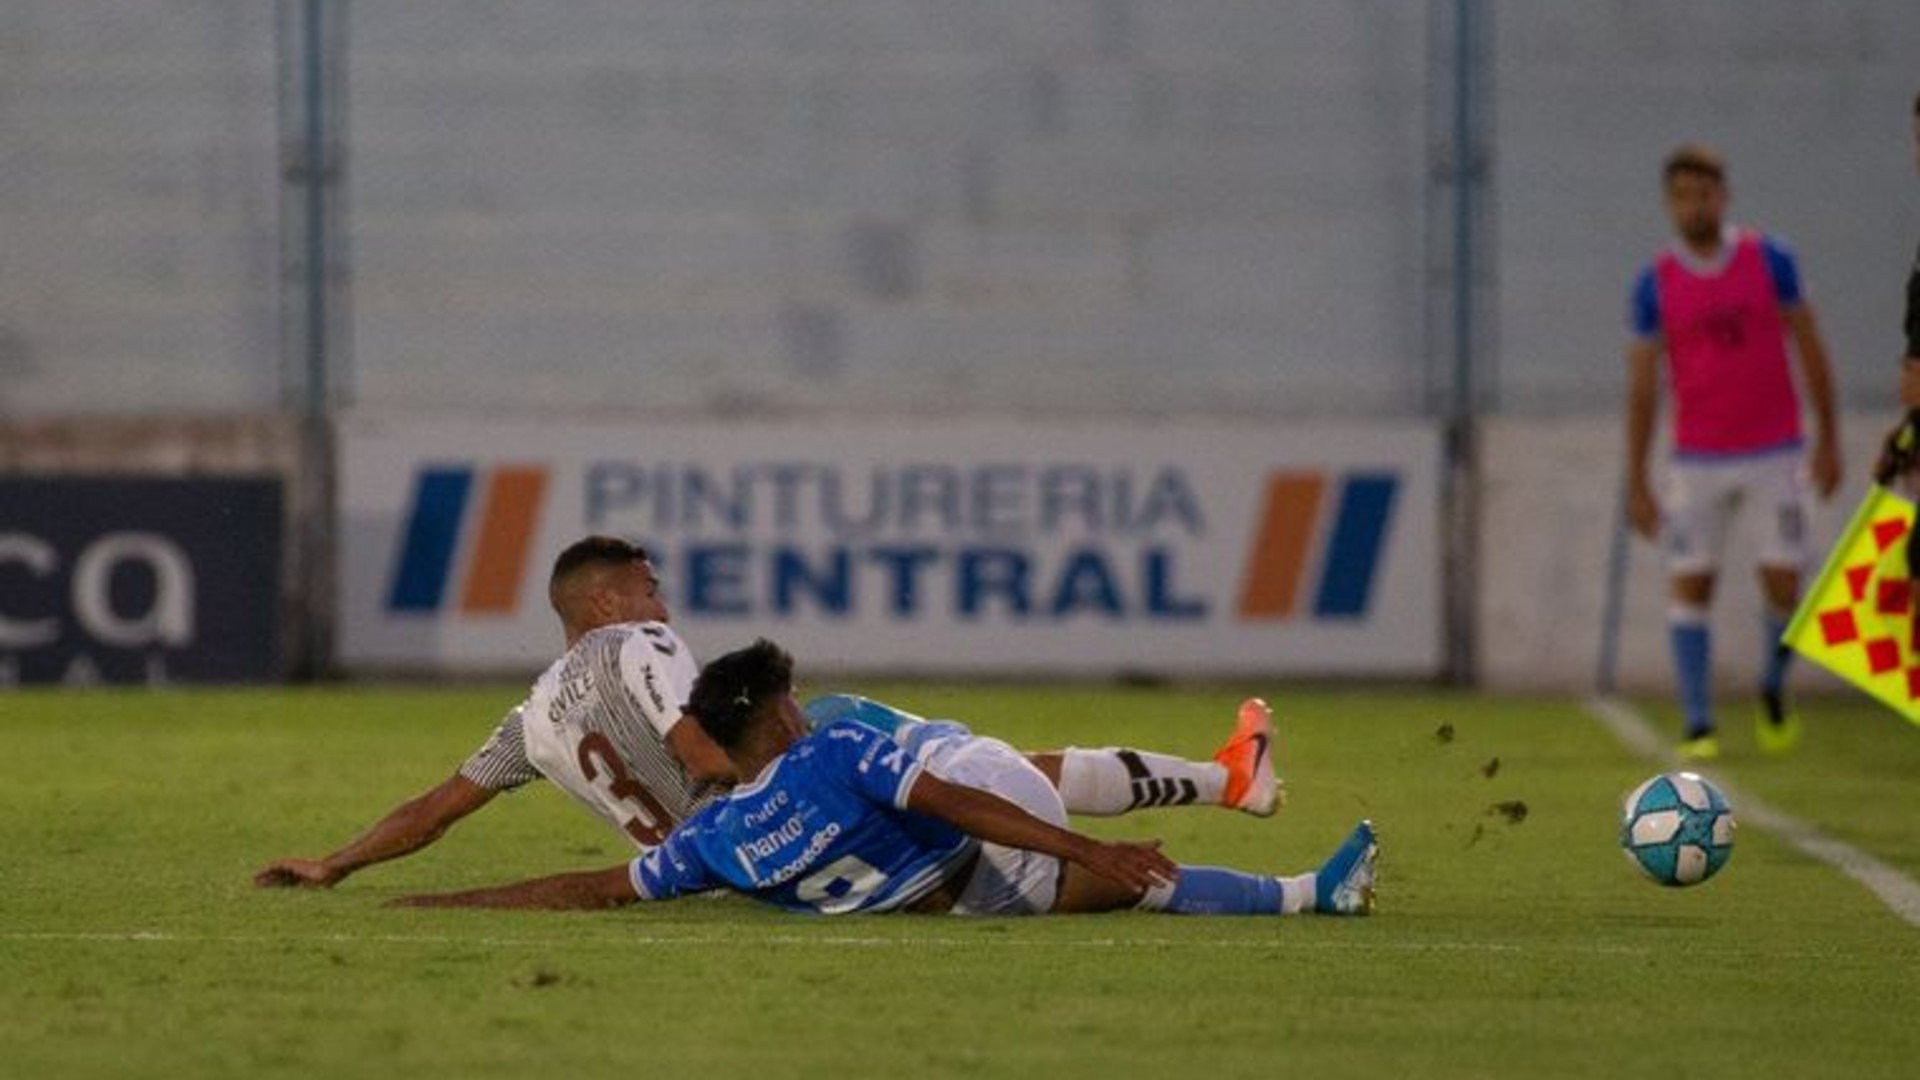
(1692, 642)
(1776, 727)
(1084, 892)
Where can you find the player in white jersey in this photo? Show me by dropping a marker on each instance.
(598, 723)
(604, 723)
(842, 818)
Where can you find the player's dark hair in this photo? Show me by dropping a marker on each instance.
(1916, 104)
(1695, 160)
(731, 689)
(594, 551)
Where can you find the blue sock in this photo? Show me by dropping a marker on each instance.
(1214, 890)
(1693, 669)
(1773, 677)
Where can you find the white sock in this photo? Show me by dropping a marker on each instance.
(1297, 893)
(1114, 780)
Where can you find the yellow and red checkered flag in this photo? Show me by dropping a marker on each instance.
(1857, 620)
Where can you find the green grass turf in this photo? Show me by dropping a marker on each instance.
(133, 944)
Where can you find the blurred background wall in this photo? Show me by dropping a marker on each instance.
(1040, 209)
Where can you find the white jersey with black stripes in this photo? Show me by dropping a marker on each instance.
(596, 724)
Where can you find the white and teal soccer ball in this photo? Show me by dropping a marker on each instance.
(1678, 828)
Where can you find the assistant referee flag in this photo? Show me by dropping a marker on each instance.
(1857, 620)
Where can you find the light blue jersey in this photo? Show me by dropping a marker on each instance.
(915, 733)
(823, 829)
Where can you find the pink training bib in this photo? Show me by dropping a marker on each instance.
(1726, 354)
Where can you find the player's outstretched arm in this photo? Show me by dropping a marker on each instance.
(1138, 866)
(405, 829)
(586, 889)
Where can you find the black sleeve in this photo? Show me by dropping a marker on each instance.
(1913, 308)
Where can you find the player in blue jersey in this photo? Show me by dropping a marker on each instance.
(843, 819)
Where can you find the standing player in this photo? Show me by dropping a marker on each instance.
(604, 722)
(1720, 305)
(844, 819)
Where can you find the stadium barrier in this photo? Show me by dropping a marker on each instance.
(1169, 560)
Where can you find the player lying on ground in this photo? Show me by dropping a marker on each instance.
(616, 741)
(844, 819)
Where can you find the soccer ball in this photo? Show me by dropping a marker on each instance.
(1678, 828)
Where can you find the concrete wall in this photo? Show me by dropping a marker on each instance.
(1811, 103)
(138, 216)
(153, 446)
(1031, 206)
(1090, 206)
(1009, 207)
(1550, 499)
(1551, 495)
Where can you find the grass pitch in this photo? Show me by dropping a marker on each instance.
(1513, 939)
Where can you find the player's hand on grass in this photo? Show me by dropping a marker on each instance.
(1137, 865)
(298, 873)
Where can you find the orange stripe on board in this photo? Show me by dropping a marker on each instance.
(1280, 546)
(506, 535)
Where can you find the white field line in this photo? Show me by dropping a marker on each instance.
(838, 941)
(1899, 892)
(605, 942)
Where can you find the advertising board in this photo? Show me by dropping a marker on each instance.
(910, 547)
(139, 580)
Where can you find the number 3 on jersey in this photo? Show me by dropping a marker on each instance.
(840, 885)
(600, 764)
